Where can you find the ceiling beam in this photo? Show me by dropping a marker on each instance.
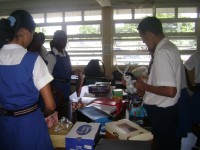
(104, 3)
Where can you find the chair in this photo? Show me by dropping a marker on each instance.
(94, 72)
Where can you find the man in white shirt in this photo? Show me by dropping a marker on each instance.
(164, 84)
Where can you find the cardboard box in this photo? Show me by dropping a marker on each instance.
(109, 144)
(117, 92)
(127, 130)
(58, 137)
(83, 136)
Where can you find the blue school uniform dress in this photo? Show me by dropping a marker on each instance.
(62, 75)
(17, 92)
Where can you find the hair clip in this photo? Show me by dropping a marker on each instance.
(12, 20)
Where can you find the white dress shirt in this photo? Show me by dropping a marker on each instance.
(167, 70)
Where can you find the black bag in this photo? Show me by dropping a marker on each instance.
(93, 69)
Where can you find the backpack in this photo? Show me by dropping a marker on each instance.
(93, 69)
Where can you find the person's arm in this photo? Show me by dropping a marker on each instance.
(159, 90)
(48, 99)
(42, 79)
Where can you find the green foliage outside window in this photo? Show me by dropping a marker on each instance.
(126, 28)
(89, 29)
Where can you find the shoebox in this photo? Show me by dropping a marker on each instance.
(93, 114)
(83, 136)
(109, 144)
(125, 129)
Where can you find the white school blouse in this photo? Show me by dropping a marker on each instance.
(12, 54)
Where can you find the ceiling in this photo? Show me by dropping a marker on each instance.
(7, 5)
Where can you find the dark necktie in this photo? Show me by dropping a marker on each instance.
(150, 64)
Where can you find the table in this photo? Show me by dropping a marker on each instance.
(84, 96)
(124, 114)
(84, 91)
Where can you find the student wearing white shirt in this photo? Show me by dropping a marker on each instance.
(163, 88)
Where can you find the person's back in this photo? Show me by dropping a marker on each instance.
(22, 125)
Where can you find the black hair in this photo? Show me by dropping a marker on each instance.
(151, 24)
(42, 36)
(60, 39)
(51, 43)
(10, 26)
(36, 43)
(6, 33)
(59, 34)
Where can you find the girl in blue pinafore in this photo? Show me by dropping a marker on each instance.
(62, 74)
(22, 76)
(59, 65)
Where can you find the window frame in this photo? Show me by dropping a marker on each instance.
(170, 35)
(98, 54)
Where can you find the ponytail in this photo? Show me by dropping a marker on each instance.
(6, 32)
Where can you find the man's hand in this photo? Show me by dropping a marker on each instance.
(140, 85)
